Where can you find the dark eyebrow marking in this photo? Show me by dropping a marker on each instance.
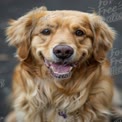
(52, 26)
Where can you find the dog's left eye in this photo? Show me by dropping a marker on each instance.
(79, 33)
(46, 32)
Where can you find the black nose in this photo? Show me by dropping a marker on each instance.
(63, 51)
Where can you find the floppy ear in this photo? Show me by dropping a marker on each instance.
(19, 32)
(103, 37)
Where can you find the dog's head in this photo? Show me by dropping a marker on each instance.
(60, 39)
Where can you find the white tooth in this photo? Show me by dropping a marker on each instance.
(61, 73)
(58, 73)
(52, 67)
(71, 68)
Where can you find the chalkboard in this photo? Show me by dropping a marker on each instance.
(111, 10)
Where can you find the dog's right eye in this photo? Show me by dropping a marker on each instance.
(46, 32)
(79, 33)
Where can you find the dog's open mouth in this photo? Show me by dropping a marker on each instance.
(60, 70)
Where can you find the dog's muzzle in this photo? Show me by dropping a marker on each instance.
(62, 67)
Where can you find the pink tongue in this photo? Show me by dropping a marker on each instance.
(60, 68)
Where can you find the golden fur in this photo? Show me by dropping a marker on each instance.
(86, 96)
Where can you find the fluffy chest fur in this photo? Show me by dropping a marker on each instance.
(54, 105)
(47, 100)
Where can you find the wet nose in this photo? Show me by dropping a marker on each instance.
(63, 51)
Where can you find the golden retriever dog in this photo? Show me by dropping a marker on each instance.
(63, 74)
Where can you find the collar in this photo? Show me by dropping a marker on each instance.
(63, 114)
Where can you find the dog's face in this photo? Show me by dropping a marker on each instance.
(61, 39)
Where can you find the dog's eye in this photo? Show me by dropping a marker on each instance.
(46, 32)
(79, 33)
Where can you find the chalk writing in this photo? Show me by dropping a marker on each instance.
(110, 10)
(116, 61)
(2, 83)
